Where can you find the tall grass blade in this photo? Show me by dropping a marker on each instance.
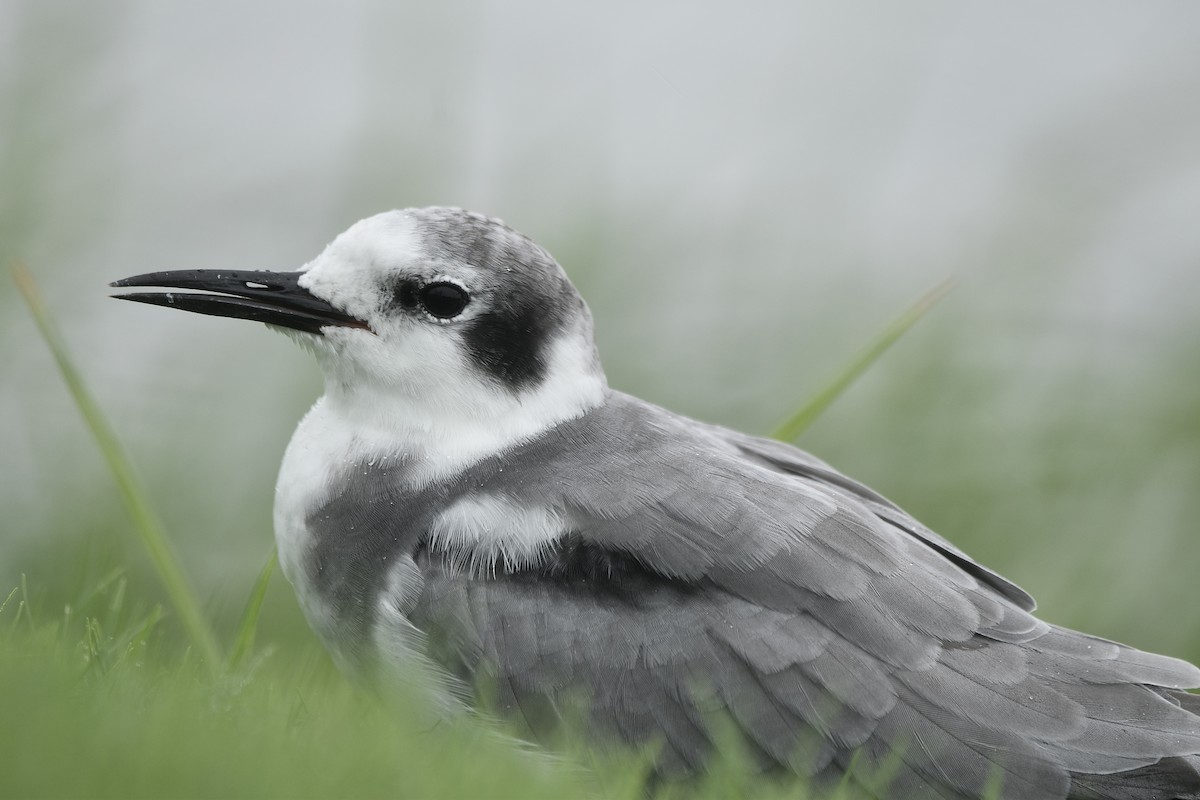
(24, 605)
(145, 520)
(11, 595)
(799, 422)
(244, 643)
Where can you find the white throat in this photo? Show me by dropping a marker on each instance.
(441, 427)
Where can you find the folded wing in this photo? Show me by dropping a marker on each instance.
(708, 573)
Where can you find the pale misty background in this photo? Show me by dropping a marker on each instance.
(745, 194)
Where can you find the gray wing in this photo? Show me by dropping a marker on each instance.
(713, 573)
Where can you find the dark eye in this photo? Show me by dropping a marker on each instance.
(443, 300)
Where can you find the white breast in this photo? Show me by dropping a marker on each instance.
(324, 447)
(318, 446)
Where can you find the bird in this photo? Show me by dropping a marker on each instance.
(470, 503)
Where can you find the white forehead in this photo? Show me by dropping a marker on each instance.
(343, 272)
(386, 239)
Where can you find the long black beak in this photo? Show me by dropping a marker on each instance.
(272, 297)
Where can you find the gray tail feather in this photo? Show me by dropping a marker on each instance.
(1127, 720)
(1175, 778)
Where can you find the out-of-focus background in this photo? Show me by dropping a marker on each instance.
(745, 193)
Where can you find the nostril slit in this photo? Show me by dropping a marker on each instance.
(253, 285)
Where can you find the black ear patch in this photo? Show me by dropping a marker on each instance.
(509, 341)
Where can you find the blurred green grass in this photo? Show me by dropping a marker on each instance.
(98, 704)
(101, 701)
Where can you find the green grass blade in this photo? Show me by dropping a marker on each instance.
(799, 422)
(24, 605)
(248, 626)
(11, 595)
(145, 520)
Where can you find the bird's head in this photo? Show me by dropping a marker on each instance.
(429, 313)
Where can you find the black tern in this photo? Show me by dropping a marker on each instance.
(469, 500)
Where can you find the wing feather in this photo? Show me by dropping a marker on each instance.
(816, 615)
